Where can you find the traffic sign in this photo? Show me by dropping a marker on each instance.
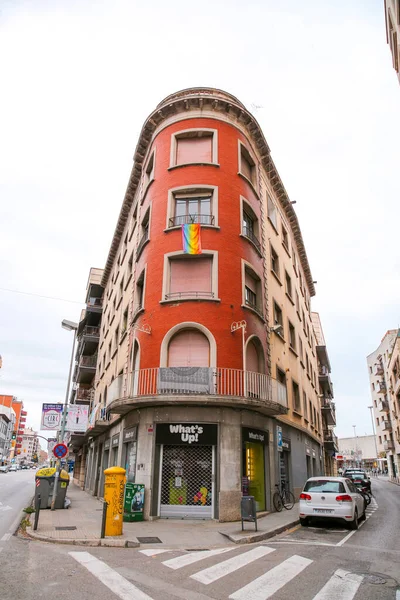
(60, 450)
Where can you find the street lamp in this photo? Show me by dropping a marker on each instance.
(373, 431)
(69, 326)
(356, 449)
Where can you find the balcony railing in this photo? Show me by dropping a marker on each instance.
(83, 394)
(95, 302)
(208, 381)
(255, 307)
(383, 406)
(91, 331)
(323, 371)
(328, 410)
(186, 219)
(192, 294)
(386, 426)
(88, 361)
(388, 445)
(330, 437)
(252, 237)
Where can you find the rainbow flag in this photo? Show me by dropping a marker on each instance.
(191, 240)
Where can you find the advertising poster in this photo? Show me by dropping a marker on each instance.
(51, 416)
(134, 502)
(77, 418)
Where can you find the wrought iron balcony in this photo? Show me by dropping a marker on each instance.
(254, 306)
(214, 386)
(84, 394)
(190, 295)
(247, 232)
(88, 362)
(187, 219)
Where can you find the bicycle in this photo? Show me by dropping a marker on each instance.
(283, 498)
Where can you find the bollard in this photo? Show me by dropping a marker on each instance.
(37, 512)
(103, 520)
(114, 489)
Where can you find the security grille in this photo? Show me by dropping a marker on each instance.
(186, 482)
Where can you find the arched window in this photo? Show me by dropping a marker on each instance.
(255, 356)
(189, 348)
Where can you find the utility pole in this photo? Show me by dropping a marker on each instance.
(373, 431)
(356, 448)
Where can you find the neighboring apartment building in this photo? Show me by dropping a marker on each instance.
(393, 380)
(30, 446)
(7, 422)
(392, 21)
(328, 409)
(206, 385)
(378, 363)
(19, 422)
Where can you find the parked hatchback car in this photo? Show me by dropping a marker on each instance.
(358, 475)
(13, 468)
(4, 468)
(331, 498)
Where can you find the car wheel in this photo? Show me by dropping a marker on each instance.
(354, 523)
(303, 522)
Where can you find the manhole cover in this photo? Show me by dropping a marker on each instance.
(65, 528)
(149, 540)
(375, 579)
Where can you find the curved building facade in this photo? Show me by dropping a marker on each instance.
(206, 385)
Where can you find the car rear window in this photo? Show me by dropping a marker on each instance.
(324, 486)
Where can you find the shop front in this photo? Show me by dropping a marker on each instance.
(284, 463)
(254, 443)
(187, 469)
(129, 452)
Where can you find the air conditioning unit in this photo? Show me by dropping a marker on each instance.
(185, 380)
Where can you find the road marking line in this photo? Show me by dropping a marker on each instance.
(5, 537)
(192, 557)
(347, 537)
(268, 584)
(153, 552)
(222, 569)
(121, 587)
(342, 584)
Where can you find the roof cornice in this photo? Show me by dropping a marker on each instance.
(219, 101)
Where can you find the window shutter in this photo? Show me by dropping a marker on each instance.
(189, 348)
(193, 149)
(190, 275)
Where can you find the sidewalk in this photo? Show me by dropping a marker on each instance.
(81, 525)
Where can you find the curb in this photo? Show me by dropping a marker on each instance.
(112, 543)
(259, 537)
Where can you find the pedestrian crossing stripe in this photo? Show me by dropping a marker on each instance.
(192, 557)
(341, 585)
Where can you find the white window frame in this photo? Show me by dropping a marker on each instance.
(190, 191)
(253, 184)
(185, 133)
(167, 274)
(261, 312)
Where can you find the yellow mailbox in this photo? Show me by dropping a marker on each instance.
(114, 488)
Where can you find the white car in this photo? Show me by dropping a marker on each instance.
(331, 498)
(13, 468)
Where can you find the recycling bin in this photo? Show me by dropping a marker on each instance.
(44, 485)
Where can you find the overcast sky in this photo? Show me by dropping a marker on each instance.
(79, 77)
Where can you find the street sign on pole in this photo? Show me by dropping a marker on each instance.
(51, 416)
(60, 450)
(279, 438)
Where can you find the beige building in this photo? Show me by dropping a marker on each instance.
(359, 451)
(392, 21)
(30, 446)
(378, 363)
(203, 373)
(393, 441)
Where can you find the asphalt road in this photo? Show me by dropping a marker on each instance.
(315, 563)
(16, 491)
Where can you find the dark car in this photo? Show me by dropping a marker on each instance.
(359, 477)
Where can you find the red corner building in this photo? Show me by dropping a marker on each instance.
(204, 378)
